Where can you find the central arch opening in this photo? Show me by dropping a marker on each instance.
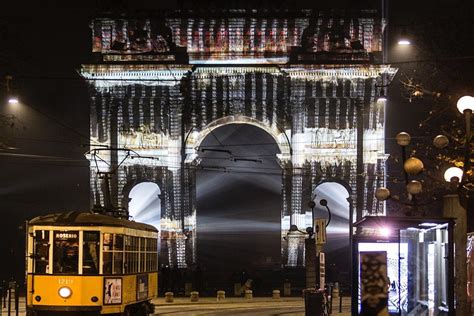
(238, 196)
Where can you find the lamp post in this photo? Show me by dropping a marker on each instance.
(411, 167)
(465, 105)
(452, 207)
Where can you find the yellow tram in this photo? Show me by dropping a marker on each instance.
(90, 264)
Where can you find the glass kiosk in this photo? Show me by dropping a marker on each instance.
(403, 266)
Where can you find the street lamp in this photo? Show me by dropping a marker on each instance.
(404, 40)
(382, 98)
(12, 98)
(465, 103)
(453, 174)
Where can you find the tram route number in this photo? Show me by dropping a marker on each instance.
(65, 281)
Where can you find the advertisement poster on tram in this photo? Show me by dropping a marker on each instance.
(112, 291)
(142, 286)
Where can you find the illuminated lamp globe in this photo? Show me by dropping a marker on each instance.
(453, 174)
(465, 103)
(382, 194)
(382, 97)
(13, 99)
(413, 166)
(414, 187)
(403, 139)
(404, 42)
(440, 141)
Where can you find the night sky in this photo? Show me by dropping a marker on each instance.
(43, 169)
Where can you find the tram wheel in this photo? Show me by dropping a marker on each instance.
(142, 310)
(127, 311)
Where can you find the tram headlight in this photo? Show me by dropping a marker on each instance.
(65, 292)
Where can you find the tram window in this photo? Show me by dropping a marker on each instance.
(118, 242)
(90, 249)
(155, 262)
(149, 261)
(107, 268)
(126, 265)
(118, 262)
(113, 254)
(107, 256)
(41, 251)
(134, 262)
(108, 241)
(152, 245)
(142, 262)
(134, 243)
(66, 252)
(127, 241)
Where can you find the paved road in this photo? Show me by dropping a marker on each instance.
(239, 306)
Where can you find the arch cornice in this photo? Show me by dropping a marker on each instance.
(104, 76)
(333, 72)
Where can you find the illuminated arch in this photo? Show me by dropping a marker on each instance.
(279, 135)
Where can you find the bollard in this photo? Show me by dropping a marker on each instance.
(276, 294)
(220, 295)
(287, 289)
(169, 297)
(248, 294)
(194, 296)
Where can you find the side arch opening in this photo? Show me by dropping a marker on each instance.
(337, 247)
(145, 203)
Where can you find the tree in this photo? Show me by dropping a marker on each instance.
(432, 80)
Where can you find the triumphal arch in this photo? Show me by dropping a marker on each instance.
(160, 84)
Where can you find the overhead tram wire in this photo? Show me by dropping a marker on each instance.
(59, 122)
(229, 170)
(45, 140)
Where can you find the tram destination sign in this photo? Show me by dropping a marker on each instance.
(65, 235)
